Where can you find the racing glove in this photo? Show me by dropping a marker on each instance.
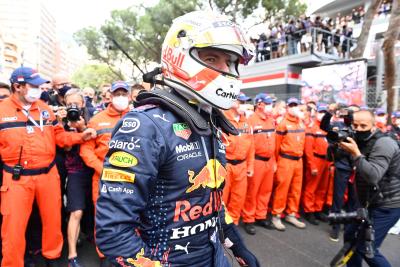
(234, 241)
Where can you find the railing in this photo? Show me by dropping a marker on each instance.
(313, 40)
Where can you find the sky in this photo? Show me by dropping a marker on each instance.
(73, 15)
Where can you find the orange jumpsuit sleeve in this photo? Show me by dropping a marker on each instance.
(89, 157)
(309, 150)
(87, 153)
(64, 139)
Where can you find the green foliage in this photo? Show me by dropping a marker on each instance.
(94, 76)
(140, 30)
(285, 8)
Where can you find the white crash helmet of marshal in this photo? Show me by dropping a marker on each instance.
(184, 71)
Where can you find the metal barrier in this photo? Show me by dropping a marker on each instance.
(314, 40)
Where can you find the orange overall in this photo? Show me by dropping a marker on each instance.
(259, 188)
(289, 148)
(240, 160)
(94, 151)
(316, 186)
(29, 138)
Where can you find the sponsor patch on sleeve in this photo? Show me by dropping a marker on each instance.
(122, 159)
(113, 175)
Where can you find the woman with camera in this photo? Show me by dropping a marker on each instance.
(79, 175)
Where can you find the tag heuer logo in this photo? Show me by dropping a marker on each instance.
(182, 130)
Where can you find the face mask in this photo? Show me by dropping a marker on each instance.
(361, 136)
(33, 95)
(45, 96)
(301, 115)
(397, 122)
(120, 102)
(88, 99)
(380, 120)
(242, 109)
(294, 111)
(268, 109)
(320, 116)
(63, 90)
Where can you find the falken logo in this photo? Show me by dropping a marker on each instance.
(188, 147)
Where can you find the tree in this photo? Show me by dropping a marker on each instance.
(391, 38)
(94, 76)
(363, 38)
(141, 36)
(141, 30)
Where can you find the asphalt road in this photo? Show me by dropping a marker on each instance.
(310, 247)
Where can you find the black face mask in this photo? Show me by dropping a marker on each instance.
(361, 136)
(88, 99)
(63, 90)
(45, 96)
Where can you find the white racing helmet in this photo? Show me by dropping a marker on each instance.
(184, 71)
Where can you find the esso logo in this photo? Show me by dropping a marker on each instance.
(129, 125)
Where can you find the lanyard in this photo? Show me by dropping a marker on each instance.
(26, 113)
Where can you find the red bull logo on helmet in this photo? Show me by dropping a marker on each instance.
(206, 177)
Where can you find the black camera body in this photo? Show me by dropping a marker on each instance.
(335, 136)
(74, 113)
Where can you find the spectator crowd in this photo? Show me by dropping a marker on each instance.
(315, 33)
(281, 167)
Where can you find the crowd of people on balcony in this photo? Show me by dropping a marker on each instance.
(312, 33)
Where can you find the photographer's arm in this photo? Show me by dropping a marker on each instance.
(375, 167)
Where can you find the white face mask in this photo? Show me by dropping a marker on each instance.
(397, 122)
(120, 103)
(242, 109)
(268, 109)
(33, 95)
(294, 111)
(380, 119)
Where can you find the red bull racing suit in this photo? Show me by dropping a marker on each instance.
(160, 194)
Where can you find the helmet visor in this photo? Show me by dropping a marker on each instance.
(227, 36)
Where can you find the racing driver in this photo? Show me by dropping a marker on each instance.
(161, 186)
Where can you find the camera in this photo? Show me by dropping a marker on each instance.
(335, 136)
(74, 113)
(359, 215)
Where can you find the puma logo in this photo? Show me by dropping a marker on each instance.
(184, 248)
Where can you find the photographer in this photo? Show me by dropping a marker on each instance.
(376, 158)
(342, 162)
(79, 175)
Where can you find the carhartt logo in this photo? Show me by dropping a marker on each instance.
(182, 130)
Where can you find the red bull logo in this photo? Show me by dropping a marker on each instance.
(141, 261)
(206, 177)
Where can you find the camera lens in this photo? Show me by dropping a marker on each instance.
(73, 113)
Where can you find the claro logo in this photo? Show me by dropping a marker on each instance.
(129, 125)
(229, 95)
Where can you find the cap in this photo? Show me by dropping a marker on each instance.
(380, 111)
(293, 100)
(263, 98)
(120, 85)
(27, 75)
(322, 107)
(243, 97)
(396, 114)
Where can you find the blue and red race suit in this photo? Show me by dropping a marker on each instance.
(160, 194)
